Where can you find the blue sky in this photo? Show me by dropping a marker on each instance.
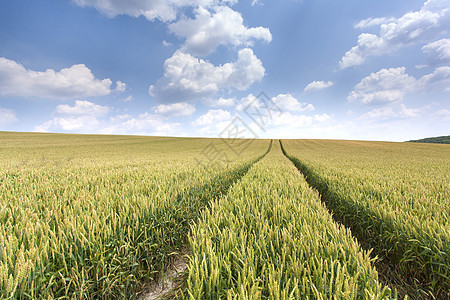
(356, 69)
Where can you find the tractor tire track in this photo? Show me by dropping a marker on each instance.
(171, 280)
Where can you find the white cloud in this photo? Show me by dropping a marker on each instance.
(368, 44)
(391, 85)
(128, 99)
(256, 3)
(389, 113)
(318, 85)
(120, 86)
(439, 79)
(421, 66)
(221, 102)
(175, 109)
(166, 43)
(276, 105)
(222, 27)
(373, 22)
(408, 112)
(82, 117)
(212, 116)
(250, 99)
(87, 117)
(82, 108)
(188, 78)
(379, 113)
(438, 50)
(143, 124)
(322, 118)
(387, 85)
(297, 121)
(284, 115)
(79, 124)
(76, 81)
(164, 10)
(7, 116)
(286, 102)
(443, 114)
(411, 28)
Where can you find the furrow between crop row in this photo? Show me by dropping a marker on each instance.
(79, 264)
(270, 237)
(414, 259)
(198, 200)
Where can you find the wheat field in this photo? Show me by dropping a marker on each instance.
(101, 217)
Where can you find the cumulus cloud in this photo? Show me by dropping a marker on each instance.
(373, 22)
(438, 51)
(143, 124)
(287, 113)
(411, 28)
(283, 111)
(82, 116)
(70, 124)
(286, 102)
(296, 121)
(439, 79)
(164, 10)
(262, 109)
(249, 100)
(120, 86)
(187, 77)
(387, 85)
(222, 27)
(389, 113)
(221, 102)
(256, 3)
(7, 116)
(213, 116)
(318, 85)
(88, 117)
(76, 81)
(175, 109)
(82, 108)
(391, 85)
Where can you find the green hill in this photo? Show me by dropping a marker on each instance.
(435, 140)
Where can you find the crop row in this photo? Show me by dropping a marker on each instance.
(394, 196)
(97, 221)
(270, 237)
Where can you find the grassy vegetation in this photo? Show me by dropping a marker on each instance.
(270, 237)
(95, 216)
(395, 196)
(435, 140)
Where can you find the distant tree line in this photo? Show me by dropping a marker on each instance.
(436, 140)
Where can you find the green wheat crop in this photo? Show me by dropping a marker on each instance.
(396, 196)
(96, 216)
(270, 237)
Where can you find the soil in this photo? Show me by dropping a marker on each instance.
(170, 280)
